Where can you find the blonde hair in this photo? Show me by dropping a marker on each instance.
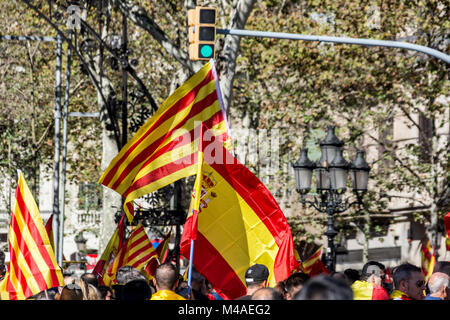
(90, 292)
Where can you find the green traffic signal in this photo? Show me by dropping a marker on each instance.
(206, 51)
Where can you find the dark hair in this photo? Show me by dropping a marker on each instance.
(366, 273)
(442, 266)
(127, 273)
(166, 275)
(136, 290)
(90, 278)
(104, 291)
(352, 275)
(325, 288)
(296, 280)
(71, 291)
(403, 272)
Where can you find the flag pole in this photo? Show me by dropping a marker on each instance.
(191, 258)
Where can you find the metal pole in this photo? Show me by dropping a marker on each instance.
(124, 61)
(331, 233)
(358, 41)
(63, 178)
(56, 213)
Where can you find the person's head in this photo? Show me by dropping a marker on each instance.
(294, 283)
(256, 276)
(197, 280)
(45, 295)
(2, 258)
(281, 288)
(106, 293)
(68, 278)
(90, 278)
(266, 294)
(439, 285)
(127, 273)
(71, 291)
(89, 291)
(166, 277)
(373, 269)
(409, 279)
(324, 287)
(352, 275)
(136, 290)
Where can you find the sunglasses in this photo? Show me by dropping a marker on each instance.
(73, 286)
(420, 283)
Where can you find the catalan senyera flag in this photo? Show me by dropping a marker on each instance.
(428, 255)
(163, 150)
(239, 224)
(161, 251)
(447, 231)
(112, 248)
(33, 267)
(314, 265)
(137, 252)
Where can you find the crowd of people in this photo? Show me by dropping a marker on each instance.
(372, 283)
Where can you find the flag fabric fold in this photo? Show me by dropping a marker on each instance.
(428, 257)
(33, 267)
(239, 223)
(161, 253)
(163, 150)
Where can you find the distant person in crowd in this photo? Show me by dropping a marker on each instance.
(380, 270)
(106, 293)
(90, 278)
(280, 287)
(198, 286)
(352, 275)
(255, 278)
(369, 287)
(294, 283)
(266, 294)
(339, 275)
(136, 290)
(324, 287)
(68, 278)
(165, 281)
(44, 295)
(124, 275)
(70, 291)
(409, 283)
(439, 285)
(89, 291)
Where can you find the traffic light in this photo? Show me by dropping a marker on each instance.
(202, 33)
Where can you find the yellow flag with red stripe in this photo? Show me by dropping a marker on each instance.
(239, 224)
(33, 267)
(428, 255)
(163, 150)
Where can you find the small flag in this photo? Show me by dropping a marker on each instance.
(136, 252)
(447, 231)
(428, 255)
(314, 265)
(161, 252)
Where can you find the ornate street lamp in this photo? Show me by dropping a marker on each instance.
(331, 173)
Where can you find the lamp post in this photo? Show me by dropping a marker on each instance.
(331, 172)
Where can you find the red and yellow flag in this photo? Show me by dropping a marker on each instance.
(137, 252)
(49, 228)
(164, 148)
(447, 231)
(428, 255)
(33, 267)
(314, 265)
(161, 251)
(110, 252)
(239, 224)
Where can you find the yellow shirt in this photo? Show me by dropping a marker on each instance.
(166, 295)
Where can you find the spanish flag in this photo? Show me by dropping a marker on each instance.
(164, 148)
(239, 224)
(33, 267)
(137, 252)
(314, 265)
(363, 290)
(447, 231)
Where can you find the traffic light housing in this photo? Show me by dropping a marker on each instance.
(202, 33)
